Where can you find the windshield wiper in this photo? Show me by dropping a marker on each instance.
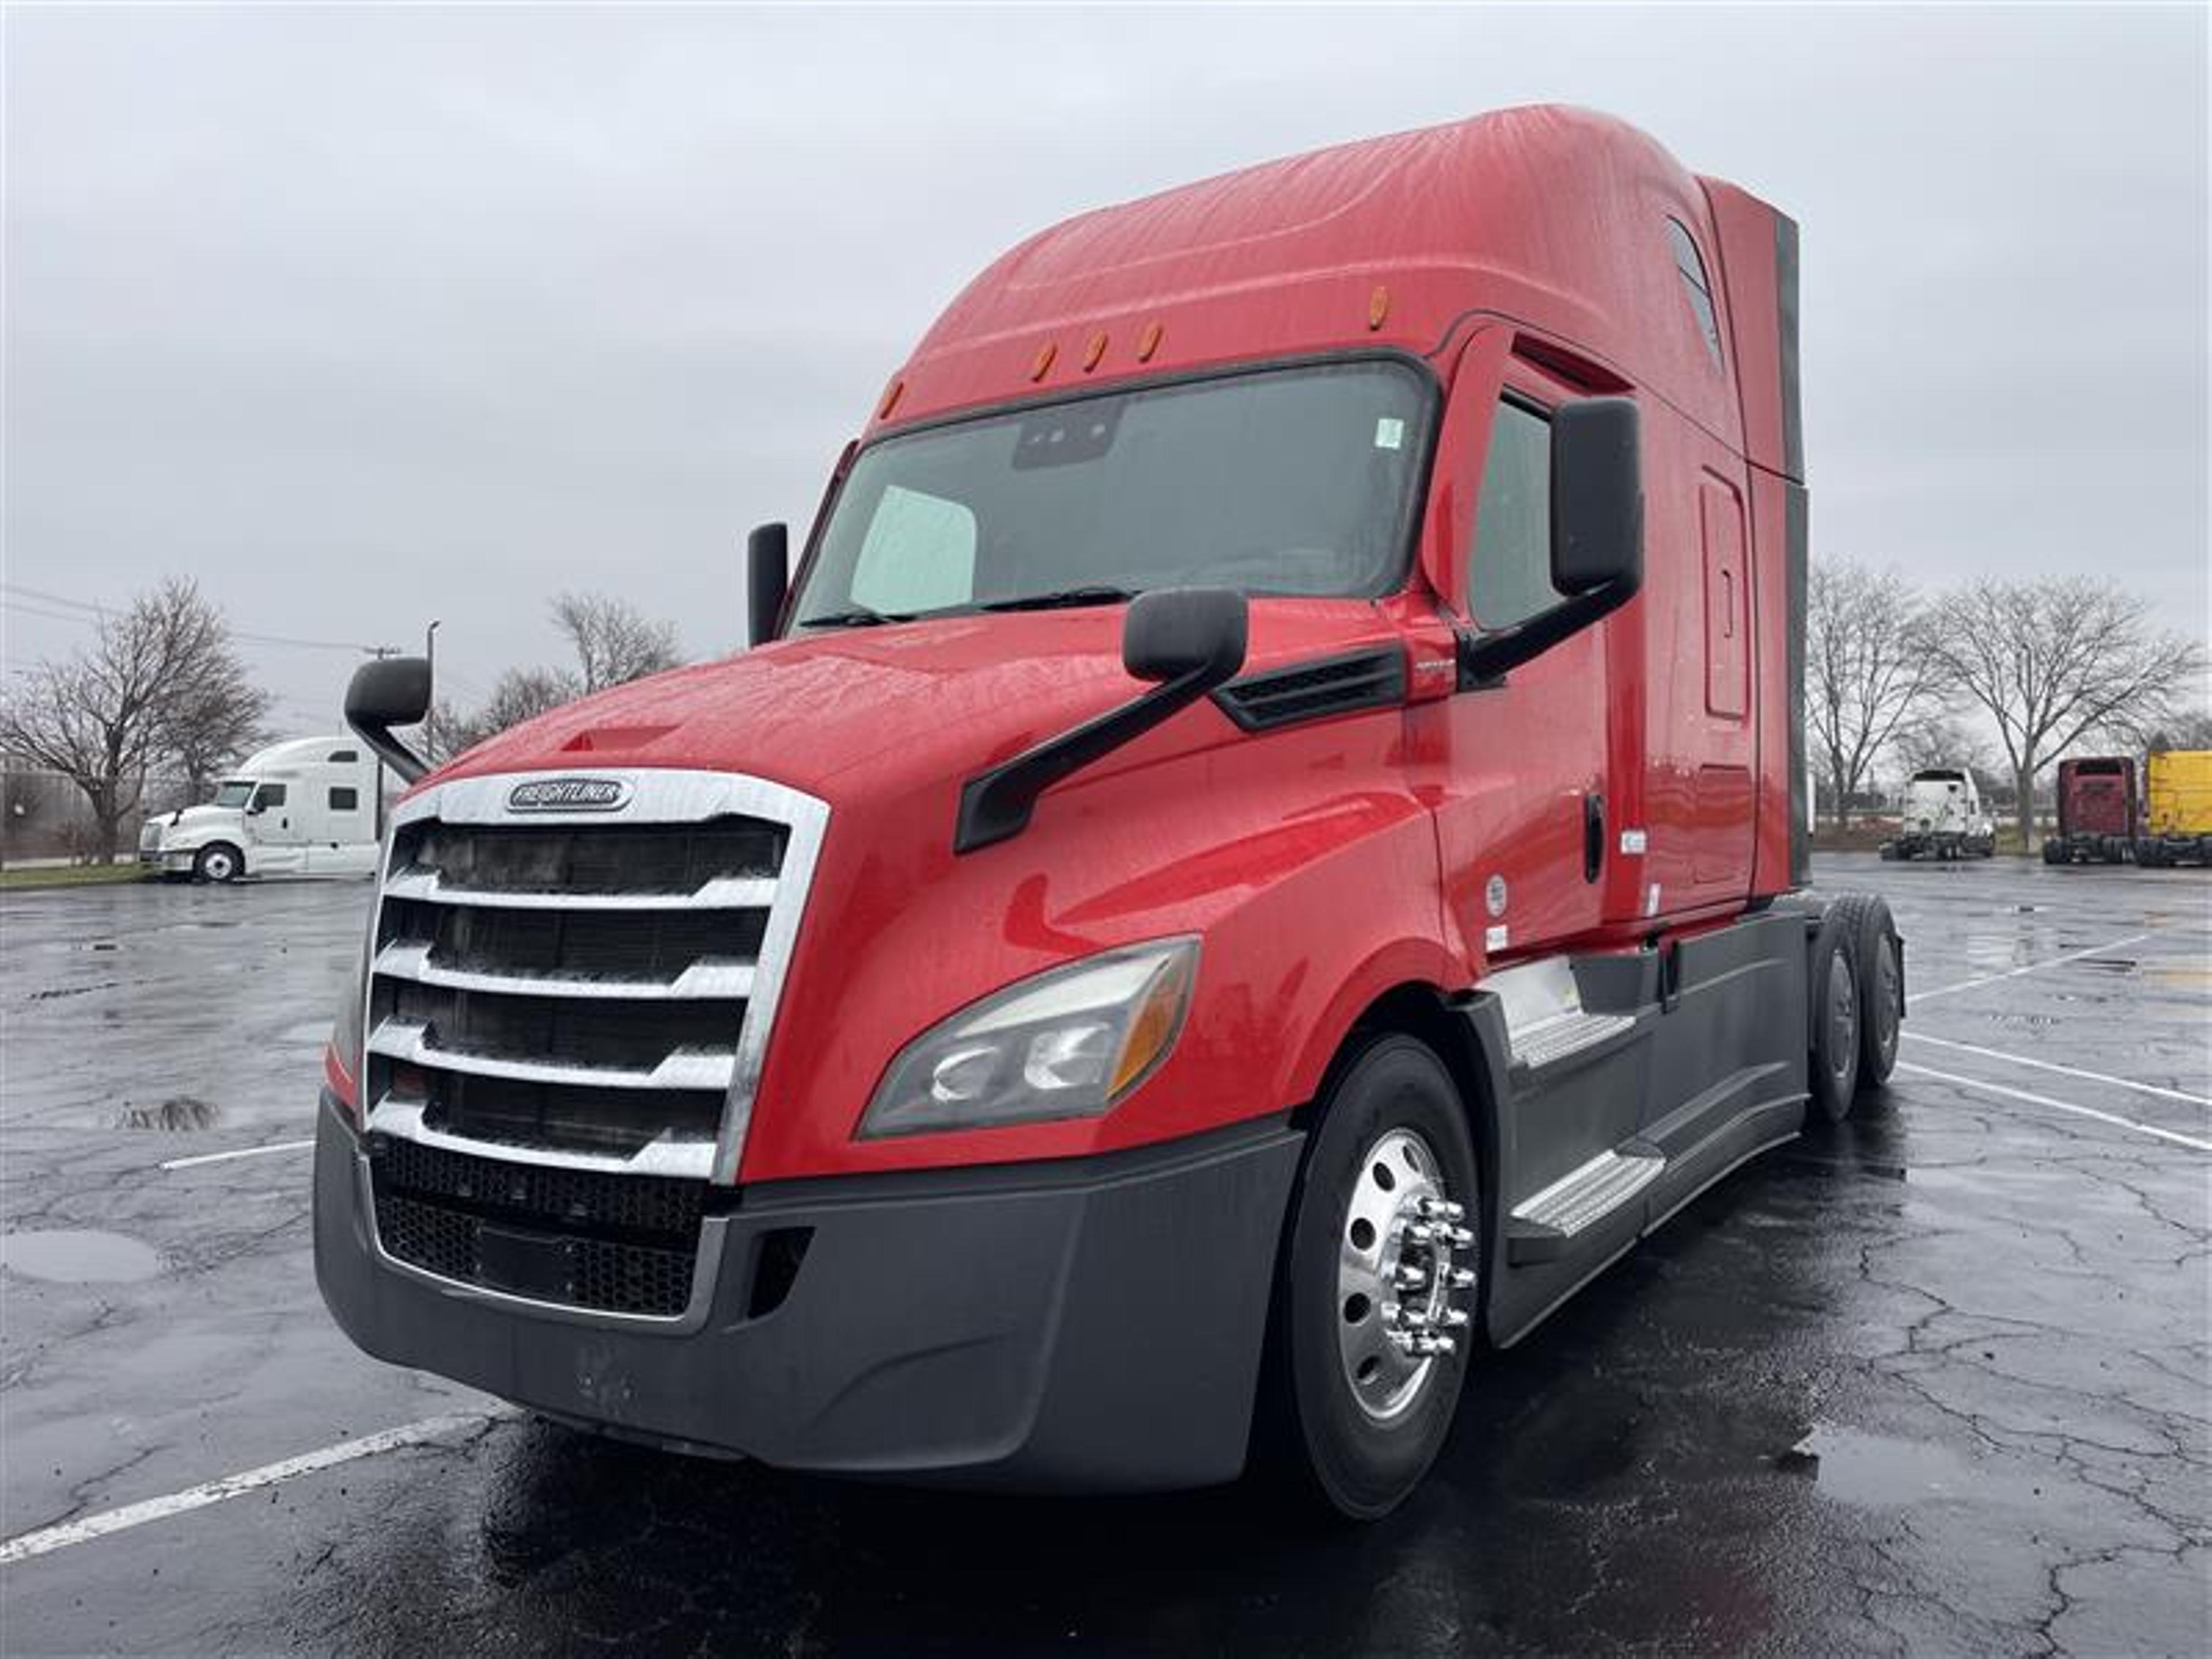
(1061, 599)
(859, 617)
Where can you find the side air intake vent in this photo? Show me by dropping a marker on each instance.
(1373, 678)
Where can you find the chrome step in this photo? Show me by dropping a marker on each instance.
(1551, 1039)
(1584, 1196)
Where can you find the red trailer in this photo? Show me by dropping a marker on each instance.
(2098, 814)
(1263, 847)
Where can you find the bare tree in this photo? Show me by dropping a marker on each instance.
(161, 675)
(519, 695)
(1868, 671)
(1933, 738)
(614, 641)
(2053, 661)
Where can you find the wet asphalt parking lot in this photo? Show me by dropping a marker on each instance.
(1934, 1382)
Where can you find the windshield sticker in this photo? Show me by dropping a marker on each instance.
(1389, 433)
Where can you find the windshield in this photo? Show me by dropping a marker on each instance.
(1295, 481)
(234, 792)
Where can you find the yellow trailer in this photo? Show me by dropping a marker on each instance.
(2177, 808)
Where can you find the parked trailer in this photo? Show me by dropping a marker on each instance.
(2097, 812)
(2177, 808)
(1006, 1032)
(1942, 819)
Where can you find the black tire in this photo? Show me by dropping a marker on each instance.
(1878, 962)
(1832, 996)
(1889, 852)
(1325, 1443)
(2054, 851)
(219, 862)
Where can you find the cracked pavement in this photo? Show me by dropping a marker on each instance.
(1939, 1380)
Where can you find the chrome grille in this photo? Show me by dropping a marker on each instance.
(587, 989)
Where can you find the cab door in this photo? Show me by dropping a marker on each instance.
(275, 833)
(342, 836)
(1523, 811)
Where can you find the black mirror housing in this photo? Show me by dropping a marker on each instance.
(388, 692)
(768, 579)
(1597, 495)
(1597, 536)
(1175, 631)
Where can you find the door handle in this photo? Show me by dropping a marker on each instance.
(1593, 836)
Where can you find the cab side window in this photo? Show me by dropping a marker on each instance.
(1509, 570)
(269, 795)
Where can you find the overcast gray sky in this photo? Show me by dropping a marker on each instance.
(363, 317)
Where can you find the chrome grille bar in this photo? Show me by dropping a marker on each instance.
(725, 893)
(697, 1068)
(707, 979)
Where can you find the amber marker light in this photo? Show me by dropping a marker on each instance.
(1148, 341)
(1094, 351)
(1046, 353)
(1378, 307)
(891, 396)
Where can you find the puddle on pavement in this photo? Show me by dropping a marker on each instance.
(74, 1257)
(307, 1031)
(178, 1112)
(1875, 1471)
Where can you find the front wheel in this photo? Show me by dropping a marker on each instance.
(1373, 1306)
(219, 862)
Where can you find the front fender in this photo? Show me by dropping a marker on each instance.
(1301, 858)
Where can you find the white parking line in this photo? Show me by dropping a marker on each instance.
(2066, 1071)
(2190, 1141)
(242, 1151)
(25, 1545)
(2032, 967)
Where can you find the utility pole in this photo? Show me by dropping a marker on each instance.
(430, 714)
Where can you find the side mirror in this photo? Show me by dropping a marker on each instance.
(388, 692)
(1597, 536)
(256, 807)
(1175, 631)
(1597, 495)
(1187, 639)
(767, 577)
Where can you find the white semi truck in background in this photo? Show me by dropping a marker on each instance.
(309, 807)
(1942, 819)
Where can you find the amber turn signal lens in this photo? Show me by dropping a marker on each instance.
(891, 396)
(1046, 353)
(1093, 352)
(1152, 1032)
(1148, 341)
(1379, 306)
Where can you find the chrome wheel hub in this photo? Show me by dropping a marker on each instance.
(1398, 1274)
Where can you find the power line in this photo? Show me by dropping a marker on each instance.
(100, 613)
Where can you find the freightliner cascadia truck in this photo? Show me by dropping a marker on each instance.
(1262, 846)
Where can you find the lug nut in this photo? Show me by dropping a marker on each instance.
(1456, 1318)
(1442, 1209)
(1410, 1278)
(1461, 1238)
(1462, 1279)
(1391, 1313)
(1420, 1232)
(1426, 1343)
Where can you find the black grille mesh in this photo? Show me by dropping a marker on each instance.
(600, 859)
(647, 944)
(567, 1030)
(625, 1244)
(1303, 691)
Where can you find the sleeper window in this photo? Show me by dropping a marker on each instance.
(344, 800)
(1509, 577)
(1695, 288)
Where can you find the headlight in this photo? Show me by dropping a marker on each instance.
(1070, 1042)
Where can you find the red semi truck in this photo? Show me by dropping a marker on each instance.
(2097, 815)
(1263, 846)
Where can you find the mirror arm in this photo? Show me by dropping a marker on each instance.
(394, 754)
(1483, 659)
(995, 804)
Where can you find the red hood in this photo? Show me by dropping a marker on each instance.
(956, 693)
